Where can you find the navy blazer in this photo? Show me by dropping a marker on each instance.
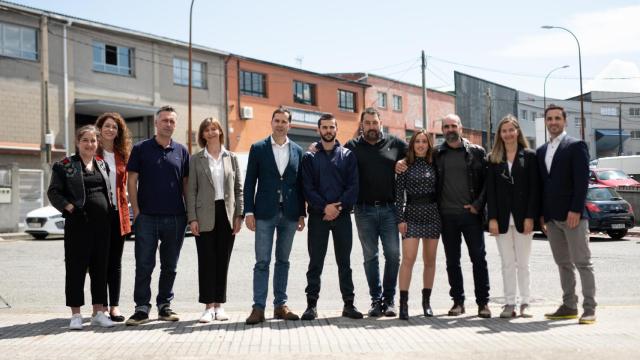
(263, 170)
(514, 193)
(564, 188)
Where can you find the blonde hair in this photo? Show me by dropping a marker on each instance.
(498, 151)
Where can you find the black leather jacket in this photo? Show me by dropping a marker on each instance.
(67, 184)
(476, 170)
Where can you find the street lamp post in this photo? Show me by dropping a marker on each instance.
(580, 70)
(190, 69)
(544, 96)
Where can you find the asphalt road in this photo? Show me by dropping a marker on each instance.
(32, 276)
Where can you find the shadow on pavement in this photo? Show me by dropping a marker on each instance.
(439, 322)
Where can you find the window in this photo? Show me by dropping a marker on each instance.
(635, 134)
(382, 100)
(252, 83)
(304, 93)
(634, 111)
(112, 59)
(523, 115)
(397, 103)
(346, 101)
(181, 73)
(609, 111)
(19, 42)
(534, 115)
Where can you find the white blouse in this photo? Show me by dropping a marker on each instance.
(216, 166)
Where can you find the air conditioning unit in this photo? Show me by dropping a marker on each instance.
(246, 112)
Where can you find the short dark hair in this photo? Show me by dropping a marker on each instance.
(167, 108)
(555, 107)
(282, 110)
(370, 111)
(325, 116)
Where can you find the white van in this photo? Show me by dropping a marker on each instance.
(629, 164)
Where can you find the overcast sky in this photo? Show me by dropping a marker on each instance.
(500, 41)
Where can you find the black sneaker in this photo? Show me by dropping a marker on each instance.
(138, 318)
(376, 309)
(310, 314)
(167, 314)
(390, 309)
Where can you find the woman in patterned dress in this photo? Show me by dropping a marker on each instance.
(418, 218)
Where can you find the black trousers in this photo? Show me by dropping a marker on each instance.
(214, 252)
(114, 265)
(86, 247)
(317, 244)
(453, 228)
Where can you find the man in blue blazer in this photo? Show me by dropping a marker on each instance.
(276, 206)
(564, 167)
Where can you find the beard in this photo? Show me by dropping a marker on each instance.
(372, 135)
(328, 137)
(452, 136)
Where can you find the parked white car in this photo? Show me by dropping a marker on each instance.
(43, 222)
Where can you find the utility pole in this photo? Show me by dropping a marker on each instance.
(46, 137)
(190, 79)
(488, 117)
(619, 127)
(424, 91)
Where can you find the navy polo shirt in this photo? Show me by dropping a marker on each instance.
(161, 172)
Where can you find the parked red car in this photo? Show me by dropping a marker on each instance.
(611, 177)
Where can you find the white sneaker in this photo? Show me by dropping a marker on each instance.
(76, 322)
(101, 320)
(220, 314)
(207, 316)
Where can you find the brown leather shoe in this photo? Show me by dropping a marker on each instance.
(257, 316)
(283, 312)
(456, 310)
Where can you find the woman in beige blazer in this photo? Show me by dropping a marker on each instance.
(214, 206)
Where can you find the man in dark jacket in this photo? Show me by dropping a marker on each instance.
(330, 184)
(564, 168)
(461, 197)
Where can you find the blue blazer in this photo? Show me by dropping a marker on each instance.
(564, 188)
(263, 170)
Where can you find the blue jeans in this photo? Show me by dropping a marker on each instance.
(285, 230)
(169, 229)
(375, 222)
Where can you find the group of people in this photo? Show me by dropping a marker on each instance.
(415, 191)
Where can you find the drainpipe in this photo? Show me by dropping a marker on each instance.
(65, 87)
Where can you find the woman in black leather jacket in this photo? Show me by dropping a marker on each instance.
(79, 189)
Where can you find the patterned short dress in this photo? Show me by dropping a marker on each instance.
(416, 201)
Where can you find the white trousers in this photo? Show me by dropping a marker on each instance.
(515, 249)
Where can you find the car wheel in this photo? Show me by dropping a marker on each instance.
(39, 236)
(617, 234)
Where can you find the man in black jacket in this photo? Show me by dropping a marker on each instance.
(461, 198)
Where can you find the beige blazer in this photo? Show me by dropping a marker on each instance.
(201, 193)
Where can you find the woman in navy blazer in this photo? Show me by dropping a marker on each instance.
(513, 201)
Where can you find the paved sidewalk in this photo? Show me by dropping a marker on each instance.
(616, 335)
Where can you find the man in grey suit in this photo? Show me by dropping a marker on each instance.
(276, 206)
(564, 167)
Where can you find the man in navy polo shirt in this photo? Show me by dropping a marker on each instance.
(158, 169)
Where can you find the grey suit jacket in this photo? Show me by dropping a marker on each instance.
(201, 193)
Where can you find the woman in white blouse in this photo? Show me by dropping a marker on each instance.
(214, 207)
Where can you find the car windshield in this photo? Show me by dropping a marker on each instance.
(612, 175)
(595, 194)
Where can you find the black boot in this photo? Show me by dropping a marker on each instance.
(349, 310)
(404, 306)
(310, 313)
(426, 302)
